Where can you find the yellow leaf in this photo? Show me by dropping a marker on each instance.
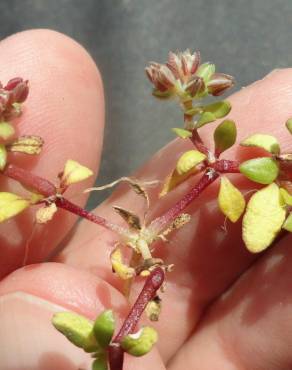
(174, 179)
(74, 172)
(28, 144)
(230, 199)
(263, 219)
(10, 205)
(185, 167)
(189, 160)
(122, 270)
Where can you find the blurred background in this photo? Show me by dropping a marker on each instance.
(245, 38)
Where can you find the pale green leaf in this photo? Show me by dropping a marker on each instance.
(262, 170)
(288, 223)
(286, 197)
(100, 364)
(6, 130)
(140, 343)
(267, 142)
(263, 218)
(189, 160)
(11, 205)
(206, 70)
(230, 199)
(225, 135)
(180, 132)
(205, 118)
(220, 109)
(77, 329)
(289, 125)
(3, 157)
(104, 327)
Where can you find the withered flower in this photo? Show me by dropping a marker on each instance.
(13, 94)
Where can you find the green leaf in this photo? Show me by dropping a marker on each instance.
(77, 329)
(289, 125)
(262, 170)
(6, 130)
(263, 218)
(267, 142)
(206, 70)
(286, 197)
(225, 135)
(183, 134)
(140, 343)
(205, 118)
(99, 364)
(230, 199)
(3, 157)
(220, 109)
(162, 94)
(11, 205)
(189, 160)
(288, 223)
(104, 327)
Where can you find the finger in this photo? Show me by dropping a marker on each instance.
(249, 327)
(64, 107)
(207, 258)
(28, 299)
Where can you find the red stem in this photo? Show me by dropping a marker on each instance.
(152, 284)
(207, 179)
(81, 212)
(226, 166)
(198, 142)
(47, 189)
(30, 181)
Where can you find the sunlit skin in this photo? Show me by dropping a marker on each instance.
(200, 328)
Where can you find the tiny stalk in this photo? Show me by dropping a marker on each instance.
(265, 215)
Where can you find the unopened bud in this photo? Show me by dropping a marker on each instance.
(219, 83)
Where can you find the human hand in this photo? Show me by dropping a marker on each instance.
(205, 323)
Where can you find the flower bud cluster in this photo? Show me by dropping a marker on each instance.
(184, 76)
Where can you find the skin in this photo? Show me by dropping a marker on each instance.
(223, 307)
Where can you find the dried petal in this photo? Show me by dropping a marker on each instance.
(132, 220)
(263, 219)
(153, 309)
(267, 142)
(3, 157)
(230, 199)
(122, 270)
(27, 144)
(46, 214)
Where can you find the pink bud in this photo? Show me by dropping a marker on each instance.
(219, 83)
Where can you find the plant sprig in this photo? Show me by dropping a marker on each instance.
(264, 216)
